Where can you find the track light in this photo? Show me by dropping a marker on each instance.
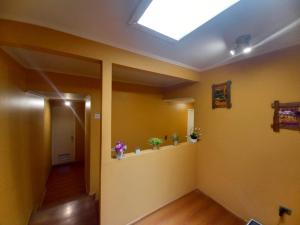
(232, 52)
(247, 50)
(242, 45)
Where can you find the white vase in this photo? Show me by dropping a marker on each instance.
(175, 142)
(193, 140)
(120, 155)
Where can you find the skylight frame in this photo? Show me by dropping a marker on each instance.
(143, 6)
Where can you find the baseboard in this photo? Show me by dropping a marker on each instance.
(157, 209)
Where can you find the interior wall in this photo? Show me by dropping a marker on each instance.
(24, 139)
(139, 113)
(242, 163)
(51, 82)
(138, 185)
(35, 37)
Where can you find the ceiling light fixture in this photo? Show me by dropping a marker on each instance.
(247, 50)
(67, 103)
(177, 18)
(242, 45)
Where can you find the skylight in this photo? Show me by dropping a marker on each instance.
(177, 18)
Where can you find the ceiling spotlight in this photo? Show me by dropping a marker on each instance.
(67, 103)
(247, 50)
(242, 45)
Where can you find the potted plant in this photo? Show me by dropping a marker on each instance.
(195, 135)
(175, 139)
(120, 148)
(155, 142)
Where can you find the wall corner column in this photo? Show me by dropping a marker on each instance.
(106, 111)
(105, 126)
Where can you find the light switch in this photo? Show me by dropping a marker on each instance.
(97, 116)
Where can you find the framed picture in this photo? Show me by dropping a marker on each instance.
(286, 116)
(221, 95)
(253, 222)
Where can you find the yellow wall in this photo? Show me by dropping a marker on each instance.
(138, 185)
(87, 86)
(139, 112)
(38, 38)
(242, 163)
(24, 151)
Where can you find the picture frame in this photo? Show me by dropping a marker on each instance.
(286, 116)
(253, 222)
(221, 95)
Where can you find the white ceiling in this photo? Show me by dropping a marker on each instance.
(67, 65)
(107, 21)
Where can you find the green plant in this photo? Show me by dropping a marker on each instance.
(175, 137)
(195, 133)
(155, 142)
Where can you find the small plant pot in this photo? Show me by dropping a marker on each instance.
(175, 142)
(120, 155)
(194, 140)
(155, 147)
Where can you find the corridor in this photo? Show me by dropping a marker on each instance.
(65, 201)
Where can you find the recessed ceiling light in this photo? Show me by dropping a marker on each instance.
(177, 18)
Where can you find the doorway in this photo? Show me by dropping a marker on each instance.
(63, 134)
(190, 121)
(67, 179)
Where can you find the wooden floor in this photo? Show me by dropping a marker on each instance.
(81, 211)
(65, 182)
(192, 209)
(66, 202)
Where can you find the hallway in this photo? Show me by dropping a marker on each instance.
(65, 182)
(65, 201)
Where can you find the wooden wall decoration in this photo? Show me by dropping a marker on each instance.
(221, 95)
(286, 116)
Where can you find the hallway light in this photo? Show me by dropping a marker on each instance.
(67, 103)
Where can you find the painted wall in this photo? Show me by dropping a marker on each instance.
(138, 185)
(39, 38)
(139, 113)
(48, 40)
(24, 141)
(51, 82)
(242, 163)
